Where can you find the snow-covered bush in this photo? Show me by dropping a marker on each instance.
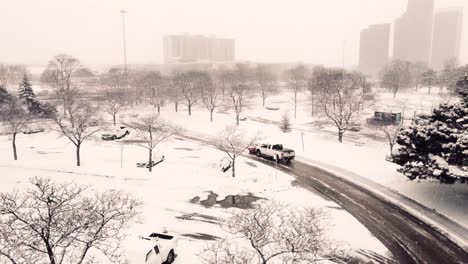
(285, 125)
(436, 145)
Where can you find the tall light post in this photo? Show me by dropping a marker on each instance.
(123, 12)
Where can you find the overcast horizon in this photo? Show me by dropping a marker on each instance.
(265, 31)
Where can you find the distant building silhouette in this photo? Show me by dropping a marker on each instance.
(413, 32)
(196, 48)
(447, 36)
(374, 48)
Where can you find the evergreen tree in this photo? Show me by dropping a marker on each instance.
(436, 145)
(4, 96)
(26, 92)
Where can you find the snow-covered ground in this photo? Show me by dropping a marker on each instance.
(362, 153)
(190, 170)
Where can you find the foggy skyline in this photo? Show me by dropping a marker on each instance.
(264, 31)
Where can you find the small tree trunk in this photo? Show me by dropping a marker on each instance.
(113, 118)
(159, 109)
(340, 136)
(237, 119)
(13, 143)
(391, 149)
(211, 115)
(263, 99)
(176, 106)
(150, 160)
(295, 105)
(233, 167)
(189, 109)
(78, 159)
(429, 90)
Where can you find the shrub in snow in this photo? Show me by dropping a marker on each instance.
(285, 125)
(436, 145)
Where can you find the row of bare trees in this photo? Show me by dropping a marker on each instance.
(398, 75)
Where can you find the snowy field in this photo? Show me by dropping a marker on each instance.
(190, 170)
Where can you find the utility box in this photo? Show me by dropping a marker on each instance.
(386, 118)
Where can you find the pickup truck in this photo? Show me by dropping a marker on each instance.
(160, 248)
(274, 151)
(117, 133)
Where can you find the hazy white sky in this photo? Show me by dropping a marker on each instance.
(310, 31)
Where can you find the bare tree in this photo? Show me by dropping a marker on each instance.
(11, 75)
(175, 92)
(239, 83)
(277, 234)
(15, 118)
(396, 75)
(265, 80)
(224, 76)
(114, 101)
(429, 79)
(389, 130)
(416, 71)
(340, 98)
(156, 89)
(233, 142)
(59, 75)
(391, 134)
(63, 223)
(78, 126)
(152, 130)
(189, 85)
(313, 87)
(210, 94)
(114, 78)
(238, 96)
(297, 81)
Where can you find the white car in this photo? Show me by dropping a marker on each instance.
(275, 151)
(159, 248)
(117, 133)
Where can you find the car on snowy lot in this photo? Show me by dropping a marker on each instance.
(160, 248)
(117, 133)
(272, 107)
(273, 151)
(33, 130)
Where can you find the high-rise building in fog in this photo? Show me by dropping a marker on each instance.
(447, 36)
(196, 48)
(374, 48)
(413, 32)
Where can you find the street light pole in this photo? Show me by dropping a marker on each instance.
(123, 12)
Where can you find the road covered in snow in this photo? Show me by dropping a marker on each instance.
(408, 238)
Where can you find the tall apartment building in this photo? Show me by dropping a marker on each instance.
(374, 48)
(196, 48)
(447, 36)
(413, 32)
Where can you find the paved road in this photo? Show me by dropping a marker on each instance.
(409, 239)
